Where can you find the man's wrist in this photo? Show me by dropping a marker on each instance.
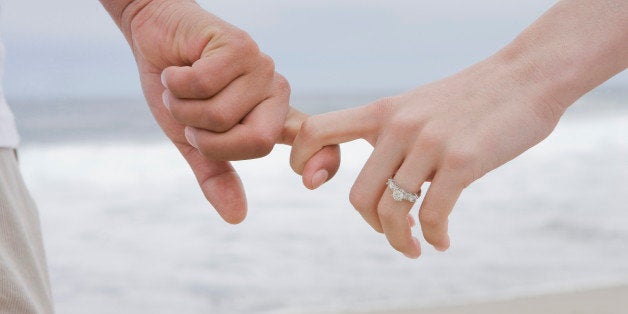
(130, 12)
(125, 12)
(122, 10)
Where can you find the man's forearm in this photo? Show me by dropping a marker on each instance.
(574, 47)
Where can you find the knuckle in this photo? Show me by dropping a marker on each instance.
(310, 133)
(243, 44)
(404, 125)
(205, 150)
(205, 82)
(268, 63)
(386, 214)
(430, 218)
(460, 159)
(381, 108)
(176, 111)
(358, 199)
(282, 84)
(384, 102)
(262, 144)
(408, 123)
(429, 140)
(218, 121)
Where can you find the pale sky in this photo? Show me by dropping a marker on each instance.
(71, 47)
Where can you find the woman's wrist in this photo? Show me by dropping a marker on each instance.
(523, 77)
(561, 58)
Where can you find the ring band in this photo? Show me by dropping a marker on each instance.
(399, 194)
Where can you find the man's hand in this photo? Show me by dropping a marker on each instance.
(212, 91)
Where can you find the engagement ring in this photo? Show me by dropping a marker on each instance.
(399, 194)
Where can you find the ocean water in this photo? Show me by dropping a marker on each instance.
(127, 230)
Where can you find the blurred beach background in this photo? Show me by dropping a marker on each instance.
(127, 230)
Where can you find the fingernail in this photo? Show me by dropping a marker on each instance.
(164, 97)
(163, 79)
(189, 135)
(319, 178)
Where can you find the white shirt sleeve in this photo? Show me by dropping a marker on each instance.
(8, 130)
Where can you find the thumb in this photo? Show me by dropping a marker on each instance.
(220, 184)
(323, 165)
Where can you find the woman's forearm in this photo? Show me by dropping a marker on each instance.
(574, 47)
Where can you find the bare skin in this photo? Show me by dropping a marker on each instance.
(454, 131)
(212, 91)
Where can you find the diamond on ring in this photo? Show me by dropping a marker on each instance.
(399, 194)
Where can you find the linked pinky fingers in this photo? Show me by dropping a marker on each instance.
(329, 128)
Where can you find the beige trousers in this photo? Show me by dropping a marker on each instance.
(24, 283)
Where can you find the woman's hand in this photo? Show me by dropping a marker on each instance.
(451, 132)
(454, 131)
